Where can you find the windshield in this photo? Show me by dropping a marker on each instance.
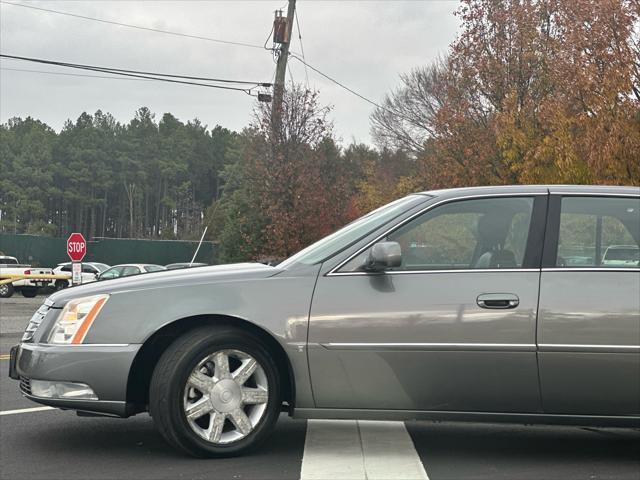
(337, 241)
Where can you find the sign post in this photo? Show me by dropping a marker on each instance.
(76, 249)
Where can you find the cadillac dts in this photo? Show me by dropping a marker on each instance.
(475, 304)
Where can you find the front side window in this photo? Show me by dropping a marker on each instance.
(470, 234)
(111, 273)
(602, 232)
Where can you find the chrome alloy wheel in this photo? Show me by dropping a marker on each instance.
(4, 289)
(225, 396)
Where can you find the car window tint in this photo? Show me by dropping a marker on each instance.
(469, 234)
(599, 232)
(153, 268)
(88, 269)
(111, 273)
(66, 268)
(130, 271)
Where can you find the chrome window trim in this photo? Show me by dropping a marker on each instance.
(510, 347)
(334, 271)
(413, 272)
(594, 194)
(570, 347)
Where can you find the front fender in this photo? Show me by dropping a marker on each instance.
(279, 305)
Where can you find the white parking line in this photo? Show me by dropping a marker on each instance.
(25, 410)
(359, 450)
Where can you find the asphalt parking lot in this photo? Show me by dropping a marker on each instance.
(56, 444)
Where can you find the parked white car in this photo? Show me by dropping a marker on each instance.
(28, 288)
(90, 272)
(621, 256)
(128, 269)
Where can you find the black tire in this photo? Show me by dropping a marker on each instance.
(29, 292)
(166, 391)
(61, 285)
(6, 290)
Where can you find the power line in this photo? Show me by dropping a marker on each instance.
(350, 90)
(121, 70)
(306, 72)
(72, 74)
(338, 83)
(128, 25)
(143, 75)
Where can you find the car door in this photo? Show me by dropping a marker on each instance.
(589, 322)
(89, 273)
(452, 329)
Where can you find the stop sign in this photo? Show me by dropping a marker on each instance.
(76, 247)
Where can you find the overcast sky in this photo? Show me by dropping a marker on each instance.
(363, 44)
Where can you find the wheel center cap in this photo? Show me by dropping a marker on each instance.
(226, 396)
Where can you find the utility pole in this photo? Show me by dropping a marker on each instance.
(284, 38)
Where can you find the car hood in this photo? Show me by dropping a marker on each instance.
(168, 278)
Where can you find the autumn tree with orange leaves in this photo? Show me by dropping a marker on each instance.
(531, 92)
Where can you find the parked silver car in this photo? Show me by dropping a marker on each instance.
(451, 305)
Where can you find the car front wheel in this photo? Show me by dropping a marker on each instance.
(215, 392)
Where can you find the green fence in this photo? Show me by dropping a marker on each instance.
(48, 251)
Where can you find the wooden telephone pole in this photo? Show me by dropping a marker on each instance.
(281, 34)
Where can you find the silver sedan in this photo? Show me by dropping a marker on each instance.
(464, 304)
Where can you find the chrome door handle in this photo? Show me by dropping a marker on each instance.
(498, 301)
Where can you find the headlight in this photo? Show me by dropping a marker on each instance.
(76, 318)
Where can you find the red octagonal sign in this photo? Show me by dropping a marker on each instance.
(76, 247)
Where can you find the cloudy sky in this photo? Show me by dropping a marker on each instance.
(363, 44)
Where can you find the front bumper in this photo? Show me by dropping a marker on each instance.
(105, 368)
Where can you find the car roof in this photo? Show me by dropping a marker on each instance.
(186, 263)
(84, 263)
(533, 189)
(137, 265)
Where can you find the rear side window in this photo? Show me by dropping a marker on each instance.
(599, 232)
(130, 271)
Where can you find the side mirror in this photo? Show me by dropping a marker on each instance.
(383, 255)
